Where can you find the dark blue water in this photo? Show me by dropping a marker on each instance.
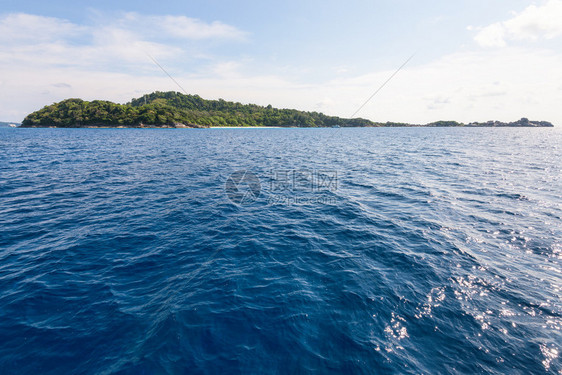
(357, 251)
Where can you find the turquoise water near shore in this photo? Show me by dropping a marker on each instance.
(378, 250)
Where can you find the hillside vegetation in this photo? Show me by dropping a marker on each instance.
(172, 109)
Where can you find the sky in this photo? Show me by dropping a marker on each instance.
(473, 60)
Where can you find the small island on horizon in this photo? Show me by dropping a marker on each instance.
(175, 110)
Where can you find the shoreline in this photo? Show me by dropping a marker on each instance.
(250, 127)
(175, 110)
(281, 127)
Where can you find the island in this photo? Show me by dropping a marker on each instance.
(176, 110)
(8, 124)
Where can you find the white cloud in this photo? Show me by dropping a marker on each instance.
(109, 62)
(190, 28)
(468, 86)
(38, 40)
(492, 36)
(44, 59)
(180, 27)
(116, 44)
(227, 69)
(27, 28)
(473, 86)
(533, 23)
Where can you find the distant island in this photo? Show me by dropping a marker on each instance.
(8, 124)
(176, 110)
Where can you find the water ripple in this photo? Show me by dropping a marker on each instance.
(438, 251)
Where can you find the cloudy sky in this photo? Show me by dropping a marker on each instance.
(474, 60)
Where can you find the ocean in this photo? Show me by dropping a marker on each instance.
(281, 251)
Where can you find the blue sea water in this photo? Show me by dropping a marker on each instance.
(277, 251)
